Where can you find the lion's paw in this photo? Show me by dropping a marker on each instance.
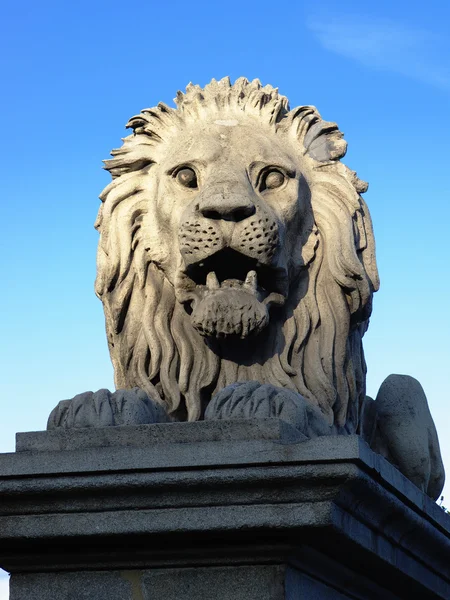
(255, 400)
(406, 434)
(105, 409)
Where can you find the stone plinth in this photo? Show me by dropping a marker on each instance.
(237, 510)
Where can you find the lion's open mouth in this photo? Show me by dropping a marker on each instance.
(229, 294)
(231, 269)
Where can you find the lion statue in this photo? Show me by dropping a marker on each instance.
(236, 266)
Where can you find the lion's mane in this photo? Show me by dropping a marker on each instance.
(315, 348)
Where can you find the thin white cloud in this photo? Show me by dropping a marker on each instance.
(386, 45)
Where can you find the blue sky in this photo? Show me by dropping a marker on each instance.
(72, 75)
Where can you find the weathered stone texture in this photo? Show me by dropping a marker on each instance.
(236, 266)
(245, 511)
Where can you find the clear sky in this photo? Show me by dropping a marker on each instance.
(73, 73)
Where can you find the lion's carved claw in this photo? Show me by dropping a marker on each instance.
(255, 400)
(105, 409)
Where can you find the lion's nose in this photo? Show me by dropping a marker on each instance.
(228, 207)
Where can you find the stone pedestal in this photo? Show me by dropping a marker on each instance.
(231, 510)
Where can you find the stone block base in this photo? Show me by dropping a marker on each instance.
(237, 510)
(255, 582)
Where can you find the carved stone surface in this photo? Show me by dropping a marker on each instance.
(236, 247)
(255, 400)
(103, 409)
(230, 510)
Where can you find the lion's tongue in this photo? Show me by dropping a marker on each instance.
(229, 310)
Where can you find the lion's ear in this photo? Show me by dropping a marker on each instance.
(324, 141)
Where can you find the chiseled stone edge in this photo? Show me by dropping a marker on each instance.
(142, 436)
(274, 448)
(330, 484)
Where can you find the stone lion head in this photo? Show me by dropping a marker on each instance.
(235, 246)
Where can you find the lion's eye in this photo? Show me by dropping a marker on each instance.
(273, 179)
(187, 177)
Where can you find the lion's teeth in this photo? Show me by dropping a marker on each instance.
(212, 282)
(251, 280)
